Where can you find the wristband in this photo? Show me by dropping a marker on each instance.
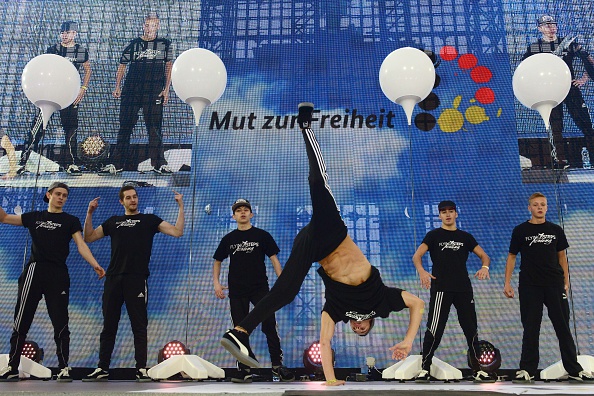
(83, 87)
(484, 266)
(333, 381)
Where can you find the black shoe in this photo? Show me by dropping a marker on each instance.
(283, 373)
(8, 374)
(164, 170)
(582, 377)
(305, 114)
(99, 375)
(244, 376)
(238, 344)
(142, 375)
(522, 377)
(423, 377)
(480, 377)
(22, 169)
(64, 375)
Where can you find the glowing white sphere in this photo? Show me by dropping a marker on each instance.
(541, 82)
(406, 77)
(199, 78)
(50, 82)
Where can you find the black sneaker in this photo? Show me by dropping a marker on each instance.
(480, 377)
(305, 114)
(142, 375)
(22, 169)
(244, 376)
(164, 170)
(423, 377)
(99, 375)
(8, 374)
(238, 344)
(582, 377)
(64, 375)
(522, 377)
(283, 373)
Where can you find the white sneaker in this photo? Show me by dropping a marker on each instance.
(64, 375)
(522, 377)
(109, 170)
(74, 170)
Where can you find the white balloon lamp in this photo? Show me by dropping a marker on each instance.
(541, 82)
(51, 83)
(406, 77)
(199, 78)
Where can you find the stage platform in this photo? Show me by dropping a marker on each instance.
(310, 388)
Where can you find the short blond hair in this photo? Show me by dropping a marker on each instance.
(536, 195)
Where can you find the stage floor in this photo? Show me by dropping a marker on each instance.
(211, 388)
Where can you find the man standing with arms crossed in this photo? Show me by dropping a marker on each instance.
(246, 248)
(449, 248)
(126, 278)
(46, 274)
(544, 280)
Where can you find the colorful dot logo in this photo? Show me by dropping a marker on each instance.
(454, 118)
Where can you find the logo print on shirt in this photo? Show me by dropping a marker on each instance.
(148, 54)
(50, 225)
(127, 223)
(453, 245)
(244, 247)
(543, 238)
(358, 316)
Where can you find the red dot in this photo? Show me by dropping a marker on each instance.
(485, 95)
(467, 61)
(448, 53)
(481, 74)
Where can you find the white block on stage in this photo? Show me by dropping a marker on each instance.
(35, 160)
(190, 366)
(28, 367)
(410, 367)
(557, 371)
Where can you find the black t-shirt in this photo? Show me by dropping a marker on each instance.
(131, 242)
(449, 251)
(246, 251)
(50, 235)
(76, 54)
(538, 245)
(568, 52)
(368, 300)
(147, 61)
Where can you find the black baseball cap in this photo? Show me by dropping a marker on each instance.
(241, 202)
(546, 20)
(443, 205)
(55, 185)
(69, 25)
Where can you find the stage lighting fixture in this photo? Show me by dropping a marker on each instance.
(172, 348)
(32, 351)
(312, 358)
(93, 150)
(487, 358)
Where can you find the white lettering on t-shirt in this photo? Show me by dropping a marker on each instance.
(543, 238)
(148, 54)
(127, 223)
(451, 245)
(244, 247)
(358, 316)
(50, 225)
